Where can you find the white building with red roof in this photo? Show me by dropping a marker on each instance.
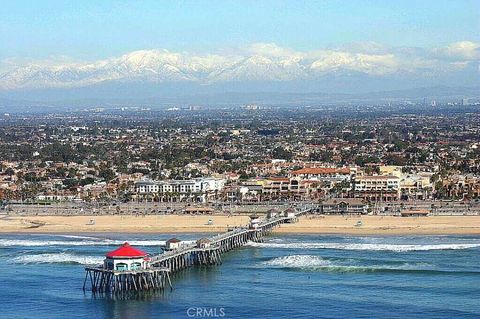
(324, 173)
(126, 258)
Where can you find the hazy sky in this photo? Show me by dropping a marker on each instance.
(88, 30)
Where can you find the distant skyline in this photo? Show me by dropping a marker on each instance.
(66, 44)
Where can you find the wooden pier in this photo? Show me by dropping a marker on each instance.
(104, 280)
(206, 251)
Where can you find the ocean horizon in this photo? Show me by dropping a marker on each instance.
(286, 276)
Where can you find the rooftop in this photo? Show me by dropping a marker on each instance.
(126, 251)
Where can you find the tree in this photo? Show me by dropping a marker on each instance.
(396, 160)
(107, 174)
(281, 153)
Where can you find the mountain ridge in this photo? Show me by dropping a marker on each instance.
(163, 66)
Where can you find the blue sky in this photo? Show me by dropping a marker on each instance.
(89, 30)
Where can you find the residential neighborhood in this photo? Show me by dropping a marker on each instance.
(202, 157)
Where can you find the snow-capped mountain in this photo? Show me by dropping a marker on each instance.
(163, 66)
(262, 63)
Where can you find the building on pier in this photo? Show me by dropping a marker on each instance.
(126, 269)
(173, 243)
(290, 213)
(272, 213)
(129, 269)
(126, 258)
(254, 221)
(204, 243)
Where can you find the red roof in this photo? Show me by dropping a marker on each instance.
(321, 171)
(126, 251)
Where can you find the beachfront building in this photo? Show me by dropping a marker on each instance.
(275, 187)
(416, 186)
(344, 206)
(414, 213)
(293, 188)
(199, 189)
(329, 176)
(126, 258)
(146, 187)
(52, 197)
(377, 187)
(200, 210)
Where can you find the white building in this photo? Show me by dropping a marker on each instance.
(145, 187)
(416, 186)
(201, 188)
(377, 187)
(126, 258)
(172, 244)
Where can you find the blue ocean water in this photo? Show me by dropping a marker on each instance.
(287, 276)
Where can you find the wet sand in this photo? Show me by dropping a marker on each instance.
(190, 224)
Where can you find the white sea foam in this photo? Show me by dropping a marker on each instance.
(97, 242)
(34, 243)
(78, 237)
(297, 261)
(358, 246)
(317, 263)
(57, 258)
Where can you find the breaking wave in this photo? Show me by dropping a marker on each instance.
(297, 261)
(316, 263)
(58, 258)
(78, 237)
(358, 246)
(81, 242)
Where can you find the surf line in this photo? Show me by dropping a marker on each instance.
(128, 269)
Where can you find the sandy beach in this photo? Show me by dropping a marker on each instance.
(182, 224)
(385, 225)
(127, 223)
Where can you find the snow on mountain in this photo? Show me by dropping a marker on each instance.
(265, 62)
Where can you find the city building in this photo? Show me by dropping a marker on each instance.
(344, 206)
(377, 187)
(197, 189)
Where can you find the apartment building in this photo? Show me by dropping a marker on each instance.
(377, 187)
(200, 189)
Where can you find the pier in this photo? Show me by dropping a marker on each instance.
(158, 269)
(105, 280)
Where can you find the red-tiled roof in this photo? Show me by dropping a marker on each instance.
(126, 251)
(279, 179)
(321, 170)
(374, 177)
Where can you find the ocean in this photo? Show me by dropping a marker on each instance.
(287, 276)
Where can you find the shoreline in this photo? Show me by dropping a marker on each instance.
(312, 224)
